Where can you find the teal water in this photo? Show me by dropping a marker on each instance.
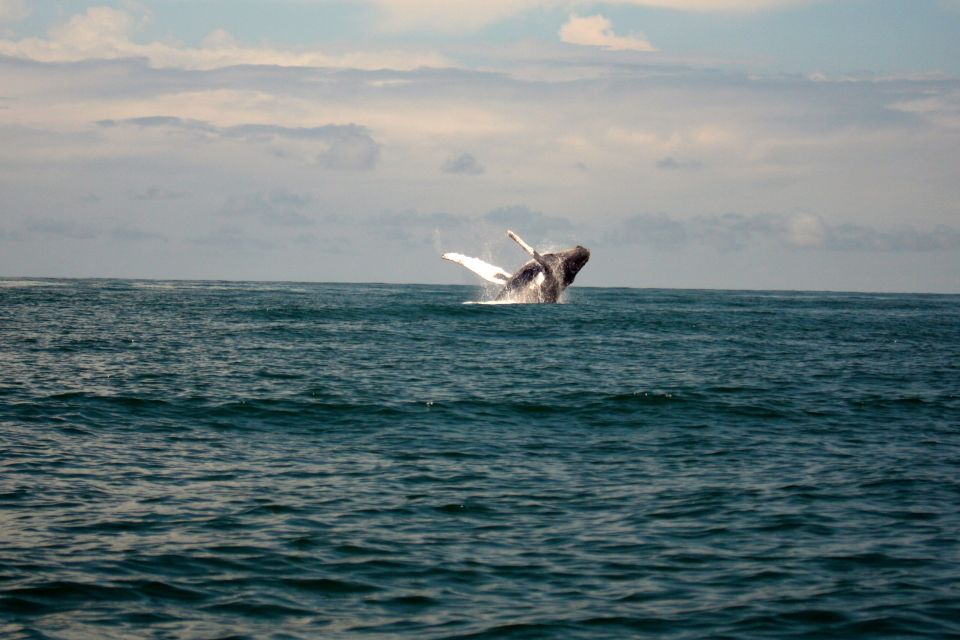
(213, 460)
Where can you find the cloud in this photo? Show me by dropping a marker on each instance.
(328, 245)
(130, 234)
(942, 110)
(464, 164)
(157, 193)
(162, 121)
(412, 219)
(106, 33)
(231, 237)
(279, 207)
(597, 31)
(13, 10)
(659, 231)
(851, 237)
(670, 163)
(864, 155)
(734, 232)
(806, 230)
(527, 222)
(62, 228)
(249, 132)
(349, 147)
(483, 235)
(12, 236)
(413, 229)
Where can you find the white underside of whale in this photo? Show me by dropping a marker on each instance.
(531, 292)
(485, 270)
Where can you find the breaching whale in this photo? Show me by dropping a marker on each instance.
(542, 279)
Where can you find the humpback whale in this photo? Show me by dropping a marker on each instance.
(541, 279)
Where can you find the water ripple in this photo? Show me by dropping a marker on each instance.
(200, 460)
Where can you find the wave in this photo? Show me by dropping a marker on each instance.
(26, 284)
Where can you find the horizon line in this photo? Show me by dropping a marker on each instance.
(438, 284)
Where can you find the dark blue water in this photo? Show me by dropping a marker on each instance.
(210, 460)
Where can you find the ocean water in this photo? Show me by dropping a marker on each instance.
(250, 460)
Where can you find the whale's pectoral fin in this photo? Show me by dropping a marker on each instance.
(523, 245)
(530, 250)
(483, 269)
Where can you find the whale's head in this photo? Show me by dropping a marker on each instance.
(573, 260)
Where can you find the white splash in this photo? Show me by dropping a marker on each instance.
(494, 302)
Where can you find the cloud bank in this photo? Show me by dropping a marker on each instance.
(347, 147)
(105, 33)
(736, 232)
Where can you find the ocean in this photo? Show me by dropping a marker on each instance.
(288, 460)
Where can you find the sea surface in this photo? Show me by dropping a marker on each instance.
(257, 460)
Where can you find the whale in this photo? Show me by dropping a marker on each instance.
(542, 279)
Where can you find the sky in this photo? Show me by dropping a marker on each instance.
(735, 144)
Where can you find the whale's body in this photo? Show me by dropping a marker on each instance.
(540, 280)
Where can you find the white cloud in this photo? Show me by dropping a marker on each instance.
(806, 230)
(99, 29)
(597, 31)
(943, 110)
(105, 33)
